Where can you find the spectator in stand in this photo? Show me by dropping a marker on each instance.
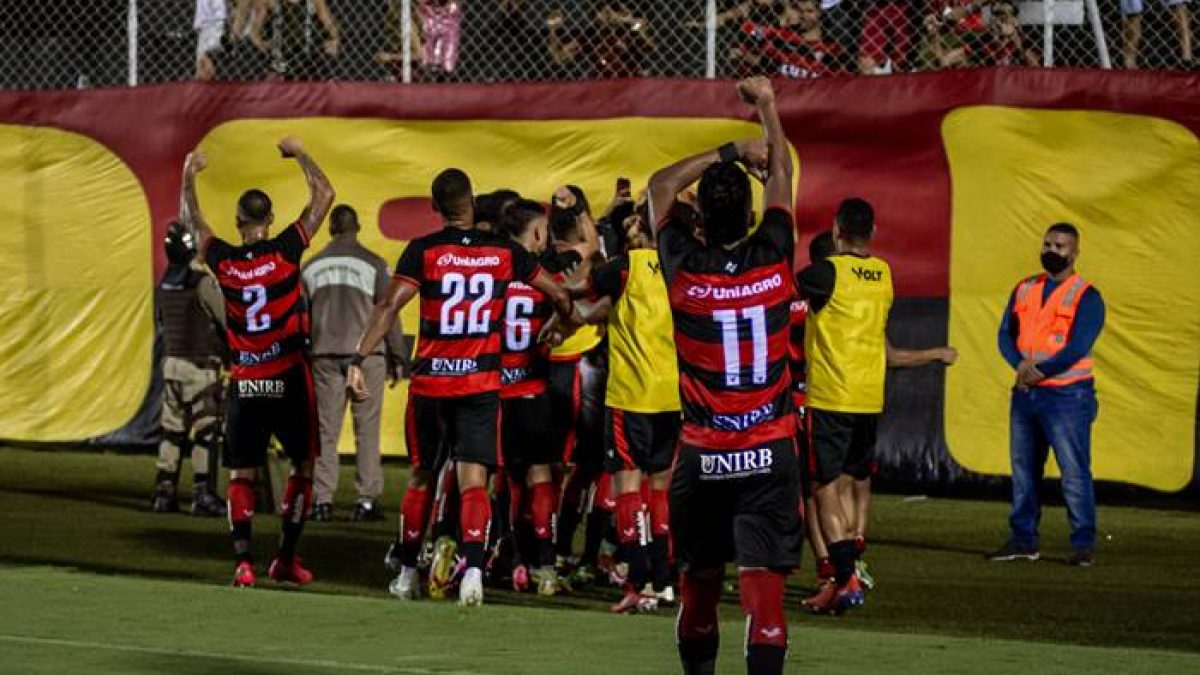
(1131, 22)
(343, 282)
(441, 33)
(752, 20)
(619, 42)
(798, 48)
(392, 57)
(885, 38)
(246, 52)
(955, 32)
(296, 37)
(210, 28)
(565, 44)
(1005, 44)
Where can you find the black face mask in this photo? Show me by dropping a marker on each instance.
(1053, 262)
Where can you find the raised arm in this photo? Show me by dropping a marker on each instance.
(758, 92)
(320, 191)
(189, 206)
(383, 317)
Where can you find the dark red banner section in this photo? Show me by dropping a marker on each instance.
(878, 138)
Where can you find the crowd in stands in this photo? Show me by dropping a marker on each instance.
(499, 40)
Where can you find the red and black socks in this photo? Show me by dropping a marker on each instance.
(766, 632)
(696, 629)
(541, 513)
(297, 502)
(660, 540)
(241, 515)
(475, 519)
(633, 537)
(414, 515)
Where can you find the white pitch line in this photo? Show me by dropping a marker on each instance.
(311, 663)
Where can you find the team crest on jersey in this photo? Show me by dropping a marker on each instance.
(738, 464)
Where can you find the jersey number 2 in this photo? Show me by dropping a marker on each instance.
(728, 318)
(477, 318)
(256, 320)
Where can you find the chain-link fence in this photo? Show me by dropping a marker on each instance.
(82, 43)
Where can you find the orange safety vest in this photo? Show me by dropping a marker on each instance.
(1044, 328)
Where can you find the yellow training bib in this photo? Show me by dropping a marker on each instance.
(643, 375)
(846, 341)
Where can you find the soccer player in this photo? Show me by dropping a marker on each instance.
(461, 275)
(856, 501)
(735, 493)
(525, 409)
(576, 393)
(642, 410)
(271, 389)
(849, 296)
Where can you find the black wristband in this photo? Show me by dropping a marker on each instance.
(357, 360)
(728, 153)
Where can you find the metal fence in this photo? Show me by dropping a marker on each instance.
(89, 43)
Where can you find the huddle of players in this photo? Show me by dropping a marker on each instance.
(725, 482)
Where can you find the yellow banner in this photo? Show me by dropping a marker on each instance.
(1129, 184)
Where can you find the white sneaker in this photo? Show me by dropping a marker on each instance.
(667, 597)
(404, 586)
(470, 591)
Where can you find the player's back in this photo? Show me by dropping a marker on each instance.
(732, 315)
(524, 364)
(463, 276)
(264, 307)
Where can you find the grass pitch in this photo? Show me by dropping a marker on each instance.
(91, 582)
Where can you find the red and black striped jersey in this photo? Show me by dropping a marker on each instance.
(463, 277)
(796, 360)
(264, 309)
(732, 313)
(524, 362)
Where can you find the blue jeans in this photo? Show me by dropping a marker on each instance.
(1058, 417)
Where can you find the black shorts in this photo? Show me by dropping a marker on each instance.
(841, 443)
(640, 441)
(740, 506)
(463, 428)
(283, 407)
(804, 452)
(576, 394)
(523, 436)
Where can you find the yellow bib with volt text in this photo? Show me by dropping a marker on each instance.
(643, 375)
(846, 341)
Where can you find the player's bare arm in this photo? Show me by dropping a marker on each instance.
(189, 205)
(383, 316)
(757, 91)
(320, 190)
(565, 309)
(913, 358)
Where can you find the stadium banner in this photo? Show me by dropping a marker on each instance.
(965, 169)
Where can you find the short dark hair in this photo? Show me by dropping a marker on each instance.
(565, 219)
(1064, 228)
(254, 207)
(489, 206)
(451, 192)
(724, 199)
(856, 219)
(343, 218)
(516, 217)
(821, 247)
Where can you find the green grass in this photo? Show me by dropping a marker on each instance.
(159, 602)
